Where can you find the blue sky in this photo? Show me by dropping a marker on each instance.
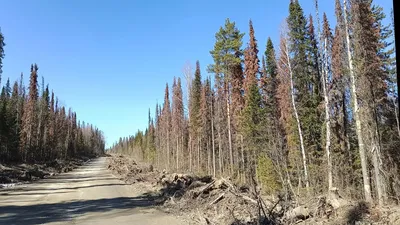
(110, 60)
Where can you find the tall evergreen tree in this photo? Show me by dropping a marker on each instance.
(301, 78)
(227, 54)
(195, 116)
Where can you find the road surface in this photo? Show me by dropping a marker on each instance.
(87, 195)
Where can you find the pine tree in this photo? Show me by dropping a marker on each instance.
(227, 60)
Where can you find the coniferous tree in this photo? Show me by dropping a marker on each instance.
(195, 117)
(205, 112)
(227, 60)
(371, 84)
(252, 112)
(166, 121)
(29, 120)
(2, 54)
(301, 78)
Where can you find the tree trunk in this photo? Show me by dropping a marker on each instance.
(177, 152)
(213, 141)
(219, 152)
(378, 182)
(208, 156)
(168, 151)
(190, 153)
(363, 157)
(229, 135)
(303, 150)
(397, 116)
(242, 151)
(198, 154)
(327, 115)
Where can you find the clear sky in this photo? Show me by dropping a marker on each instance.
(110, 60)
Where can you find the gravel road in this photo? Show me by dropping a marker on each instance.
(87, 195)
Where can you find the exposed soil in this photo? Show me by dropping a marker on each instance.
(210, 200)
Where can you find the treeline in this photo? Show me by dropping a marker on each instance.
(35, 128)
(318, 113)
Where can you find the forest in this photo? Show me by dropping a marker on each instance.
(315, 113)
(35, 128)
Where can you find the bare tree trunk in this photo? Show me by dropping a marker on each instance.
(396, 115)
(219, 152)
(168, 151)
(363, 157)
(198, 154)
(229, 134)
(303, 150)
(213, 141)
(242, 151)
(208, 156)
(177, 152)
(190, 153)
(327, 115)
(324, 70)
(375, 161)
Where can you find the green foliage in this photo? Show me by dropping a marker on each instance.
(227, 49)
(195, 95)
(270, 60)
(267, 175)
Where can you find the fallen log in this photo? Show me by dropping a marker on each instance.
(218, 199)
(244, 197)
(206, 188)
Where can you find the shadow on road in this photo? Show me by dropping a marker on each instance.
(66, 211)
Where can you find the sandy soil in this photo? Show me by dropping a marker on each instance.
(87, 195)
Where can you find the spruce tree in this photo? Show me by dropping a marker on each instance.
(195, 116)
(253, 113)
(302, 80)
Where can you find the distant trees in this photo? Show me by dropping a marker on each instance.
(34, 128)
(318, 113)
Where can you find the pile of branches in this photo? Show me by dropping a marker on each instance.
(128, 170)
(17, 173)
(208, 200)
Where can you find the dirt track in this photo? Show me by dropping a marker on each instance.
(87, 195)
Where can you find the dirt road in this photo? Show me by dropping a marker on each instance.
(87, 195)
